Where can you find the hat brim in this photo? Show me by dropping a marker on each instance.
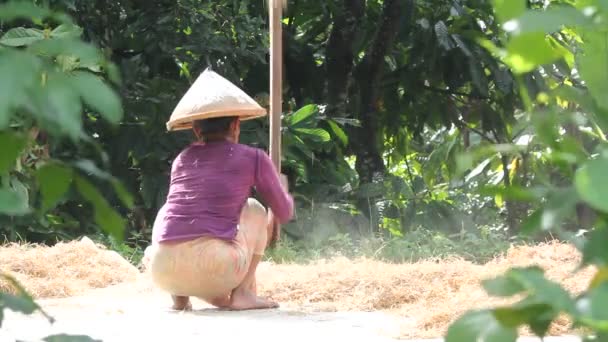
(185, 123)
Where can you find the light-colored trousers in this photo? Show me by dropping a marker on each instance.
(209, 268)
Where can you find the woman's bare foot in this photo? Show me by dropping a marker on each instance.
(181, 303)
(247, 300)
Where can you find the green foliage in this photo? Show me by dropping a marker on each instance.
(49, 76)
(507, 10)
(419, 244)
(428, 77)
(572, 104)
(480, 326)
(593, 68)
(54, 181)
(590, 183)
(21, 302)
(13, 143)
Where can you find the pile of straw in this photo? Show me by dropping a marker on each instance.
(429, 295)
(64, 270)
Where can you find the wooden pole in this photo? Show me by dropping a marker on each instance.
(275, 12)
(276, 77)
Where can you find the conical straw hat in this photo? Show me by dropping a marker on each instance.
(213, 96)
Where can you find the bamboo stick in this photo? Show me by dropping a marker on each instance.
(276, 78)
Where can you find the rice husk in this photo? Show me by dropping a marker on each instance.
(65, 269)
(429, 295)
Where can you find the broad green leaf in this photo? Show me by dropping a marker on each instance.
(66, 31)
(600, 277)
(68, 63)
(514, 192)
(531, 281)
(527, 313)
(547, 21)
(317, 134)
(21, 36)
(509, 9)
(526, 52)
(22, 10)
(86, 53)
(499, 201)
(592, 65)
(538, 316)
(502, 286)
(592, 309)
(591, 183)
(300, 145)
(123, 194)
(539, 289)
(108, 219)
(12, 145)
(13, 203)
(98, 95)
(532, 223)
(585, 100)
(69, 338)
(338, 131)
(594, 248)
(63, 107)
(575, 95)
(21, 302)
(17, 303)
(19, 71)
(480, 326)
(541, 323)
(559, 205)
(564, 50)
(464, 161)
(90, 168)
(302, 114)
(113, 73)
(54, 180)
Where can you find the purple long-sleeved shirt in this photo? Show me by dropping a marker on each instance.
(210, 183)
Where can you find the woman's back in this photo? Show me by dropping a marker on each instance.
(210, 183)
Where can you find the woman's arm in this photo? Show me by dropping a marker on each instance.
(273, 188)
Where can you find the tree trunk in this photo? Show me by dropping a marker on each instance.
(340, 53)
(367, 139)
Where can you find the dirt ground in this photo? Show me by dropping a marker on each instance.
(135, 312)
(91, 291)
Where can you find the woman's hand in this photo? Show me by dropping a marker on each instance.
(274, 229)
